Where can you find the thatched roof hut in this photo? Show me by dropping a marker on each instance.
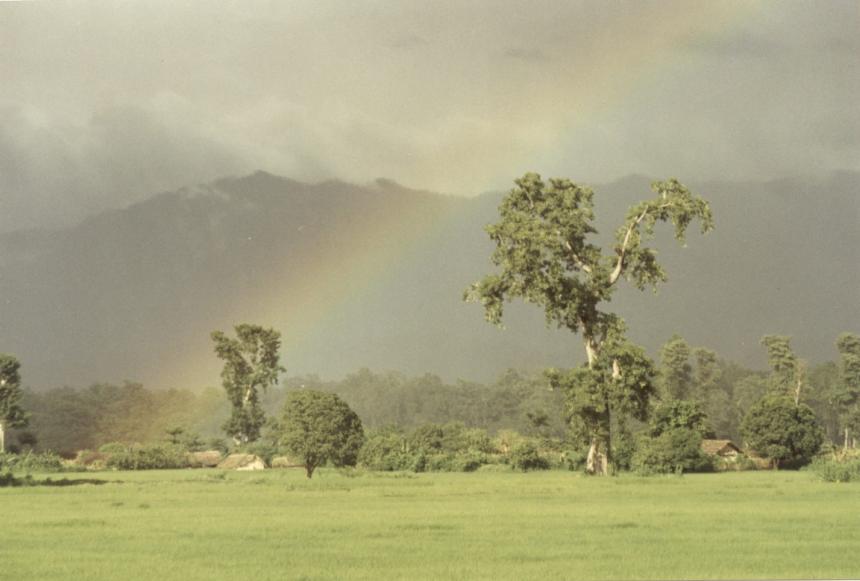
(207, 459)
(721, 448)
(242, 462)
(285, 462)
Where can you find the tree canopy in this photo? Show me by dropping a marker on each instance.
(782, 431)
(319, 427)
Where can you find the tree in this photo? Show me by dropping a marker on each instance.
(787, 371)
(782, 431)
(318, 427)
(250, 365)
(676, 450)
(11, 413)
(680, 414)
(676, 373)
(848, 393)
(706, 376)
(546, 257)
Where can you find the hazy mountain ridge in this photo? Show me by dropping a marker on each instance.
(126, 290)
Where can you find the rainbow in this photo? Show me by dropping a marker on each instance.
(643, 53)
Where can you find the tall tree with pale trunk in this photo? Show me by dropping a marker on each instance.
(250, 364)
(848, 393)
(546, 256)
(788, 373)
(11, 413)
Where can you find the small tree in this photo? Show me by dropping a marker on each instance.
(546, 254)
(11, 413)
(674, 451)
(250, 364)
(782, 431)
(319, 427)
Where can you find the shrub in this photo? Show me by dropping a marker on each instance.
(149, 457)
(674, 451)
(31, 462)
(469, 461)
(384, 450)
(113, 448)
(525, 456)
(88, 459)
(574, 460)
(836, 471)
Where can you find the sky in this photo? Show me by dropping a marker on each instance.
(103, 104)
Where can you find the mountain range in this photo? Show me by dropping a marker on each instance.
(373, 275)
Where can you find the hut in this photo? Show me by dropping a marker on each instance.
(242, 462)
(207, 459)
(724, 449)
(286, 462)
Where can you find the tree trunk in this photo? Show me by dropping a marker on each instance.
(309, 470)
(2, 438)
(597, 462)
(846, 439)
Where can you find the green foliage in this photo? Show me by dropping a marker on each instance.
(546, 256)
(707, 374)
(785, 433)
(250, 365)
(674, 451)
(831, 470)
(319, 427)
(526, 456)
(385, 449)
(847, 395)
(162, 456)
(674, 414)
(12, 415)
(31, 462)
(783, 364)
(595, 394)
(676, 373)
(429, 448)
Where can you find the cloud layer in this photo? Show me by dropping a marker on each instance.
(103, 105)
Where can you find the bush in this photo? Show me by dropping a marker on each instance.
(674, 451)
(31, 462)
(112, 448)
(574, 460)
(835, 471)
(786, 434)
(525, 456)
(149, 457)
(384, 450)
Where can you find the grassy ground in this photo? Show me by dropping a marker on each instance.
(209, 525)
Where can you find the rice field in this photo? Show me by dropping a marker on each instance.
(190, 525)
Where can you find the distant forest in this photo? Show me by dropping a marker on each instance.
(69, 419)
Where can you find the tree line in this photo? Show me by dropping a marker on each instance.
(546, 255)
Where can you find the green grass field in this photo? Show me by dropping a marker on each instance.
(205, 524)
